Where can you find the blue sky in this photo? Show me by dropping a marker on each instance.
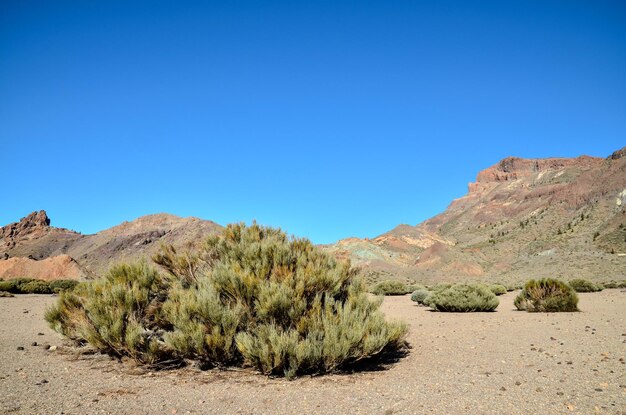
(329, 119)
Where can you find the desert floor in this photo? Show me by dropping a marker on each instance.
(507, 362)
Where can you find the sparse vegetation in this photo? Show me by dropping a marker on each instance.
(33, 286)
(390, 287)
(547, 295)
(420, 296)
(513, 287)
(414, 287)
(584, 286)
(8, 286)
(6, 294)
(249, 297)
(62, 285)
(464, 298)
(498, 289)
(440, 286)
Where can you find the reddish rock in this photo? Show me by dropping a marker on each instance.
(53, 268)
(32, 225)
(618, 154)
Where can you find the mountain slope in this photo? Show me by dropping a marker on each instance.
(521, 218)
(34, 239)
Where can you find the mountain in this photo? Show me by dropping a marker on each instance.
(521, 219)
(30, 244)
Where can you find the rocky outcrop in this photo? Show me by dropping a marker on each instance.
(53, 268)
(33, 239)
(514, 168)
(515, 212)
(32, 226)
(618, 154)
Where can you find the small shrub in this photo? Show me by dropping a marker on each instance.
(547, 295)
(414, 287)
(621, 284)
(390, 287)
(463, 298)
(23, 281)
(35, 287)
(6, 294)
(440, 286)
(420, 296)
(62, 285)
(498, 289)
(610, 284)
(9, 286)
(584, 286)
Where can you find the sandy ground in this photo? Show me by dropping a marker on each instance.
(506, 362)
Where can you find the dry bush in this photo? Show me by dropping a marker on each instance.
(390, 287)
(119, 314)
(463, 298)
(547, 295)
(251, 296)
(420, 296)
(498, 289)
(584, 286)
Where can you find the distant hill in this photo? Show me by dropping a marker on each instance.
(522, 218)
(33, 240)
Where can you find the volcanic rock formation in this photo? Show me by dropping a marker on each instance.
(521, 219)
(32, 245)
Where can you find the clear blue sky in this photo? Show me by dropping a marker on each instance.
(329, 119)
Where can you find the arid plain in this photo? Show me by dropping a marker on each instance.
(505, 362)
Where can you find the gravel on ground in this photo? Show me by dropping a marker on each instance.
(505, 362)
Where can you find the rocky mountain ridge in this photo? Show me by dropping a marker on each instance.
(27, 244)
(521, 218)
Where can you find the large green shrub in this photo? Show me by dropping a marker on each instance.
(547, 295)
(420, 296)
(584, 286)
(249, 297)
(390, 287)
(463, 298)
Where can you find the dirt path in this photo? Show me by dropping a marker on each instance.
(505, 362)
